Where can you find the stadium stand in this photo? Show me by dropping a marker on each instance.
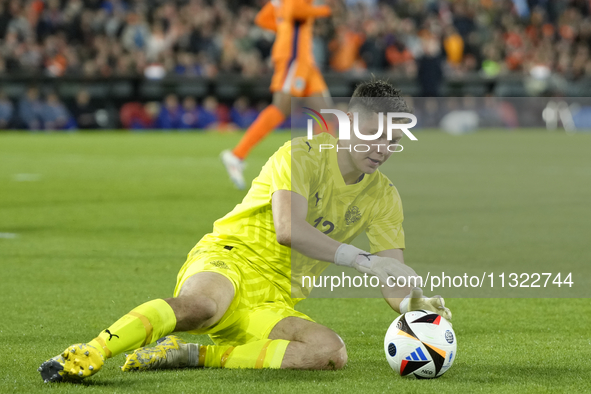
(148, 49)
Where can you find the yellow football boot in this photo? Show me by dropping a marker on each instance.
(171, 352)
(74, 364)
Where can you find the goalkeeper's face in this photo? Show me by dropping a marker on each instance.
(366, 155)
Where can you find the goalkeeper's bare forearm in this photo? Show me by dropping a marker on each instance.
(292, 229)
(393, 295)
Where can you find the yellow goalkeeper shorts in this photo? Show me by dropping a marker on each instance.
(258, 303)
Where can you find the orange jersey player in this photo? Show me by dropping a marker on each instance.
(295, 74)
(295, 70)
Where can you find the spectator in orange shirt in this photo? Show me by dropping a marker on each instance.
(399, 57)
(345, 50)
(454, 46)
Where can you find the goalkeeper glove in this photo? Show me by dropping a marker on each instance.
(416, 301)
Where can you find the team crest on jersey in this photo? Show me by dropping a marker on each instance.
(353, 215)
(219, 264)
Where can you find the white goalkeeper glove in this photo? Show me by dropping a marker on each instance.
(416, 301)
(367, 263)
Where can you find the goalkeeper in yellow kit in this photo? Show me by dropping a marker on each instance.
(236, 285)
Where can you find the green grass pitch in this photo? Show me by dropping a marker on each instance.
(94, 224)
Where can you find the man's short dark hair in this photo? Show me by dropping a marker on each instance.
(377, 96)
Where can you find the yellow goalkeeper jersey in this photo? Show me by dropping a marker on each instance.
(340, 211)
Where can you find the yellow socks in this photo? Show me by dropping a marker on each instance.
(265, 353)
(145, 324)
(155, 319)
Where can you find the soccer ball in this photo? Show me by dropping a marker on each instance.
(420, 344)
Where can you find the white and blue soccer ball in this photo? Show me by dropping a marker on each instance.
(420, 344)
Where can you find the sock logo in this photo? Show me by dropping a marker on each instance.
(111, 335)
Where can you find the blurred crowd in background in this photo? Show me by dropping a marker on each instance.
(426, 40)
(200, 37)
(35, 111)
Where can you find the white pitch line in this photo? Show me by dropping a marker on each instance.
(8, 235)
(26, 177)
